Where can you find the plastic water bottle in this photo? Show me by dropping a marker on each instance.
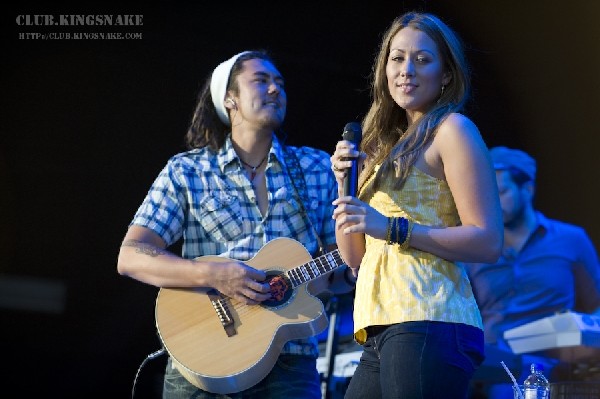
(536, 385)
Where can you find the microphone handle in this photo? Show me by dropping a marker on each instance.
(353, 133)
(351, 179)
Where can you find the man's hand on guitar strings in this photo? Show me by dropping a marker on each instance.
(241, 282)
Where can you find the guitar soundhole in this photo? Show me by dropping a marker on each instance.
(281, 289)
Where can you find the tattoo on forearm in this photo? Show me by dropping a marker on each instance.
(144, 248)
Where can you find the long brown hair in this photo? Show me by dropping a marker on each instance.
(388, 139)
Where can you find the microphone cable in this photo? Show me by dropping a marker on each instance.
(151, 356)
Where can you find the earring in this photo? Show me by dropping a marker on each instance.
(441, 94)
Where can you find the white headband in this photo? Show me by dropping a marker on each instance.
(218, 86)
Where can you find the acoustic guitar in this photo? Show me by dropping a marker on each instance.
(223, 346)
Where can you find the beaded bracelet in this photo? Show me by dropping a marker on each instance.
(400, 230)
(409, 228)
(388, 232)
(398, 234)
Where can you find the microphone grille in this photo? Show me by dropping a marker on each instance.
(352, 132)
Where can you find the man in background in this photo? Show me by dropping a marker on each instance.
(546, 267)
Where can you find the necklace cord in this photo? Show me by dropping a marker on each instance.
(253, 172)
(254, 167)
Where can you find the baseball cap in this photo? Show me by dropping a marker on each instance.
(504, 158)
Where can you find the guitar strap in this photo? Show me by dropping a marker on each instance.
(297, 177)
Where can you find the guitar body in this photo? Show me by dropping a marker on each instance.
(222, 358)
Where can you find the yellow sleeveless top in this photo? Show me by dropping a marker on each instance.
(396, 285)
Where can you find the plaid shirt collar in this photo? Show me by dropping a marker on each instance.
(226, 156)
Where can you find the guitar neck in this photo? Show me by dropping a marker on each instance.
(315, 268)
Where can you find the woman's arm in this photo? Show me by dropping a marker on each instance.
(468, 171)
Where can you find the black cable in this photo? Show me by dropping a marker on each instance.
(151, 356)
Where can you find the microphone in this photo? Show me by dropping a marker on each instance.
(353, 133)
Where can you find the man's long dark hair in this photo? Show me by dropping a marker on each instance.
(206, 129)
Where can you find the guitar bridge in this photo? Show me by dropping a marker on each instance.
(221, 306)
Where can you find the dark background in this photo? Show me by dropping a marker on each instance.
(87, 124)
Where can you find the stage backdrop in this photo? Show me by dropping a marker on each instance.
(92, 108)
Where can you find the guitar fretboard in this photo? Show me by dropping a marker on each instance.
(315, 268)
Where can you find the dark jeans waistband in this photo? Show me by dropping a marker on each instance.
(374, 330)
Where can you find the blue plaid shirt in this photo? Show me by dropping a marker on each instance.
(206, 198)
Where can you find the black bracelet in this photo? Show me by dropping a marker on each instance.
(399, 230)
(347, 279)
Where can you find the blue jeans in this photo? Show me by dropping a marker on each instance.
(292, 377)
(418, 360)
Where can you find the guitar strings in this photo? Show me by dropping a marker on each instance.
(323, 264)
